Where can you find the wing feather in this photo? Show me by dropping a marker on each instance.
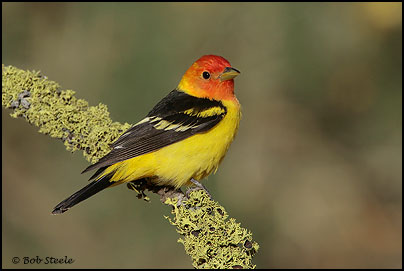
(174, 118)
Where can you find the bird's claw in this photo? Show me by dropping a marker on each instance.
(198, 186)
(139, 189)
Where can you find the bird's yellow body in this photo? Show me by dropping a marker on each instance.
(195, 157)
(182, 139)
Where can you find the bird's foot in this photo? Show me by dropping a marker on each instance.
(139, 187)
(198, 186)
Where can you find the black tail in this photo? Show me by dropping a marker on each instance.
(86, 192)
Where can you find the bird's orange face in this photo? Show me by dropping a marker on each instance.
(210, 77)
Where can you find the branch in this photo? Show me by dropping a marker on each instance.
(209, 237)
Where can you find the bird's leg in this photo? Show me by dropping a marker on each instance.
(180, 199)
(170, 192)
(198, 186)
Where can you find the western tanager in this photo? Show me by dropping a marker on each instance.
(182, 140)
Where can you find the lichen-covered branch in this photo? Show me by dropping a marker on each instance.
(209, 237)
(58, 113)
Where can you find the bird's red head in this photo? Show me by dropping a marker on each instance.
(210, 77)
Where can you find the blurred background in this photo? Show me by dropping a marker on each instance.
(315, 171)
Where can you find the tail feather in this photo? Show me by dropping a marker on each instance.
(86, 192)
(97, 173)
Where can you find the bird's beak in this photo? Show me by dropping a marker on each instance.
(228, 73)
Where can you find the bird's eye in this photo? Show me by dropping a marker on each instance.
(206, 75)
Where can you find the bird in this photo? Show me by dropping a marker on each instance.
(182, 140)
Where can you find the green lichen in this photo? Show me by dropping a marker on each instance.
(212, 240)
(58, 113)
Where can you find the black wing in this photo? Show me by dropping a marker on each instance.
(174, 118)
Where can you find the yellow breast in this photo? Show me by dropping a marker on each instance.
(199, 155)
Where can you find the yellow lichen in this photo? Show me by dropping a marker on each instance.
(212, 240)
(58, 113)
